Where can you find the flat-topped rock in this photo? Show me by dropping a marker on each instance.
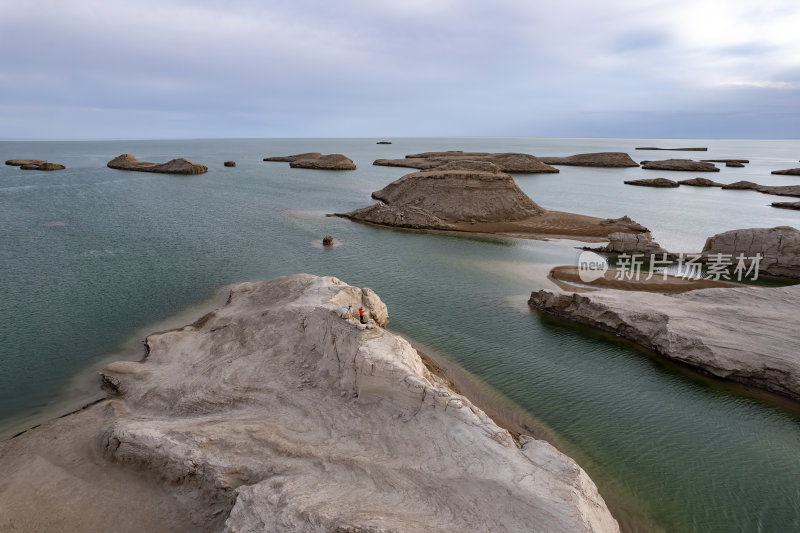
(673, 149)
(726, 160)
(742, 185)
(506, 162)
(469, 164)
(174, 166)
(42, 166)
(788, 172)
(633, 243)
(20, 162)
(383, 142)
(780, 190)
(779, 248)
(598, 159)
(786, 205)
(461, 195)
(746, 334)
(680, 165)
(700, 182)
(325, 162)
(734, 164)
(285, 414)
(290, 158)
(655, 182)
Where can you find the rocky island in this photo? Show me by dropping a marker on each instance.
(654, 182)
(173, 166)
(475, 196)
(34, 164)
(315, 160)
(684, 165)
(598, 159)
(281, 412)
(505, 161)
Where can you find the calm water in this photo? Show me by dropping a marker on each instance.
(92, 258)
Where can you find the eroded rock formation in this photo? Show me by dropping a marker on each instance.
(654, 182)
(680, 164)
(779, 248)
(174, 166)
(598, 159)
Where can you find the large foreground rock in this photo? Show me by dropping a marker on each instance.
(598, 159)
(779, 248)
(747, 334)
(174, 166)
(506, 162)
(287, 415)
(680, 164)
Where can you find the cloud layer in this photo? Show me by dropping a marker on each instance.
(242, 68)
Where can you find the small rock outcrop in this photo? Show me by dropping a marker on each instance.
(746, 334)
(786, 205)
(325, 162)
(779, 248)
(788, 172)
(780, 190)
(42, 166)
(598, 159)
(623, 222)
(734, 164)
(655, 182)
(290, 158)
(174, 166)
(700, 182)
(743, 161)
(633, 243)
(742, 186)
(685, 165)
(673, 149)
(230, 163)
(506, 162)
(383, 142)
(20, 162)
(327, 240)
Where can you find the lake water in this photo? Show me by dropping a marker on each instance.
(92, 259)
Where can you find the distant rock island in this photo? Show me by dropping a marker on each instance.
(655, 182)
(786, 205)
(506, 162)
(383, 142)
(700, 182)
(680, 164)
(673, 149)
(281, 412)
(475, 196)
(788, 172)
(174, 166)
(34, 164)
(598, 159)
(316, 160)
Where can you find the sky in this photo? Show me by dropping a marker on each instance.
(130, 69)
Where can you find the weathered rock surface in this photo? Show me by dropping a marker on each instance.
(786, 205)
(460, 195)
(788, 172)
(506, 162)
(673, 149)
(779, 248)
(744, 334)
(325, 162)
(633, 243)
(290, 158)
(287, 415)
(700, 182)
(42, 166)
(655, 182)
(742, 185)
(174, 166)
(625, 222)
(598, 159)
(468, 164)
(20, 162)
(680, 164)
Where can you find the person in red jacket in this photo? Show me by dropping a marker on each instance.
(361, 315)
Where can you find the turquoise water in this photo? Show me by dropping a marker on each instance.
(92, 257)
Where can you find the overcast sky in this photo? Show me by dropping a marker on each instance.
(298, 68)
